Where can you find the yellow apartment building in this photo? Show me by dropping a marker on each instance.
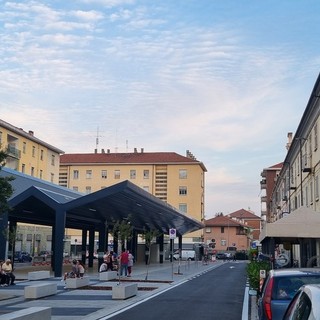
(176, 179)
(28, 154)
(32, 156)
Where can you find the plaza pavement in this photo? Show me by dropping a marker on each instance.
(97, 304)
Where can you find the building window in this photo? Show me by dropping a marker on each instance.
(41, 174)
(41, 155)
(88, 190)
(29, 237)
(88, 174)
(24, 147)
(75, 174)
(182, 191)
(33, 151)
(23, 168)
(52, 177)
(32, 171)
(19, 237)
(133, 174)
(182, 174)
(75, 188)
(104, 174)
(208, 230)
(117, 174)
(222, 229)
(53, 160)
(311, 192)
(223, 243)
(145, 174)
(183, 207)
(49, 237)
(316, 187)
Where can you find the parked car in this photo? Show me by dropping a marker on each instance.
(22, 256)
(279, 288)
(45, 254)
(185, 255)
(305, 304)
(220, 256)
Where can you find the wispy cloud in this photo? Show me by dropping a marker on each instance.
(160, 77)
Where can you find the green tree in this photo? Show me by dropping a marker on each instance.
(122, 230)
(6, 189)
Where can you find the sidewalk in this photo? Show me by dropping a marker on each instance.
(96, 303)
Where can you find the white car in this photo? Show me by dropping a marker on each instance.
(185, 255)
(305, 304)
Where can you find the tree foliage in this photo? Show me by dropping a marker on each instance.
(122, 230)
(6, 189)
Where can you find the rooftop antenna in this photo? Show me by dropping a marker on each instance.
(97, 138)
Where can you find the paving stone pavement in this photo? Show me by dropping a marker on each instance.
(96, 302)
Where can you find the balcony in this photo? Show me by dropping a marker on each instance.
(263, 213)
(263, 184)
(13, 152)
(264, 199)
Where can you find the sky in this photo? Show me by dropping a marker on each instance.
(225, 79)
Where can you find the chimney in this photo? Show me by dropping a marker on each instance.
(289, 140)
(102, 151)
(142, 150)
(31, 133)
(135, 150)
(95, 150)
(108, 150)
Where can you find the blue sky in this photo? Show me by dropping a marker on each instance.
(224, 79)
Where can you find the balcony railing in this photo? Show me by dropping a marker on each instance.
(13, 152)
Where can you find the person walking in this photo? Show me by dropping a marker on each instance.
(130, 263)
(124, 259)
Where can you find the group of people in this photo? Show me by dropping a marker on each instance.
(7, 277)
(112, 262)
(77, 270)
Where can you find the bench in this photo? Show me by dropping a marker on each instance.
(108, 275)
(124, 291)
(32, 313)
(38, 275)
(40, 290)
(74, 283)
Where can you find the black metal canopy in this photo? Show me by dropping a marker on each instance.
(36, 201)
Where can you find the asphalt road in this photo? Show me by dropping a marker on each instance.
(215, 295)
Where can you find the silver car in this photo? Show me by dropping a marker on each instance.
(279, 288)
(305, 304)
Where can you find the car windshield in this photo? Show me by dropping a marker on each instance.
(286, 287)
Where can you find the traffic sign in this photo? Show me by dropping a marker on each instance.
(172, 233)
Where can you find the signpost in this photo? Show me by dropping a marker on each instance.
(172, 236)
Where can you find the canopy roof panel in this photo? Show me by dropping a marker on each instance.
(36, 201)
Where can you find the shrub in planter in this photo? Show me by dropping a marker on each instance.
(253, 272)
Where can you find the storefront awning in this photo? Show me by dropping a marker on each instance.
(301, 223)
